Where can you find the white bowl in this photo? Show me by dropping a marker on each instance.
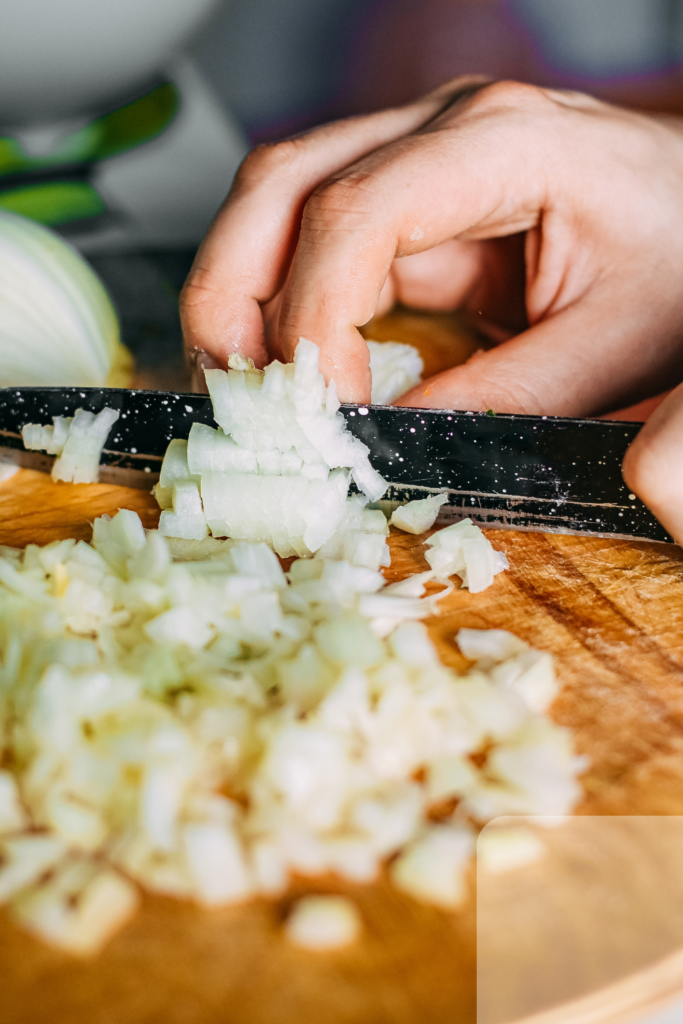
(62, 59)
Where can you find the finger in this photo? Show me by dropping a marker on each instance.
(638, 413)
(502, 164)
(447, 180)
(652, 466)
(483, 278)
(244, 258)
(442, 278)
(571, 364)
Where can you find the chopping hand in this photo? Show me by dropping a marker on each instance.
(553, 217)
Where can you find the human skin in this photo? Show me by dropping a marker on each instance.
(554, 219)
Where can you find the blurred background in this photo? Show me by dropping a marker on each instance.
(281, 67)
(122, 122)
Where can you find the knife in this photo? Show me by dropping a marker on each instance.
(542, 473)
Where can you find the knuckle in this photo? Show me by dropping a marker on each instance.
(193, 292)
(272, 160)
(340, 200)
(195, 296)
(511, 94)
(508, 393)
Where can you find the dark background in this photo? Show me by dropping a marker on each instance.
(283, 65)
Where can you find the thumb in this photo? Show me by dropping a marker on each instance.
(653, 465)
(578, 362)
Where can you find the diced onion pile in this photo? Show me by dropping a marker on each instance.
(178, 713)
(77, 441)
(278, 468)
(204, 729)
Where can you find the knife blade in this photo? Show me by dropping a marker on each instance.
(542, 473)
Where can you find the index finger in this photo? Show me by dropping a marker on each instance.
(466, 174)
(244, 258)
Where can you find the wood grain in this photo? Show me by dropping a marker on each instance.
(612, 614)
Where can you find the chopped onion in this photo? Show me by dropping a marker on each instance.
(395, 368)
(7, 470)
(279, 467)
(505, 848)
(464, 550)
(185, 526)
(433, 867)
(77, 442)
(449, 777)
(512, 663)
(12, 815)
(323, 922)
(489, 646)
(79, 909)
(144, 679)
(418, 516)
(216, 863)
(25, 859)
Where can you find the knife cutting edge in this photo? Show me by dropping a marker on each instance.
(541, 473)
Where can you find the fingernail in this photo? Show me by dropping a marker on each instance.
(198, 361)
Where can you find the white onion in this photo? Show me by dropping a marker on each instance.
(488, 646)
(323, 922)
(278, 468)
(512, 663)
(508, 847)
(25, 859)
(12, 815)
(216, 863)
(418, 516)
(79, 909)
(464, 550)
(57, 323)
(77, 442)
(395, 368)
(315, 698)
(433, 867)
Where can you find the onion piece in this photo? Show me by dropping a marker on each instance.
(418, 516)
(462, 549)
(395, 368)
(212, 449)
(25, 859)
(76, 912)
(489, 646)
(175, 465)
(217, 863)
(12, 815)
(506, 848)
(323, 923)
(512, 663)
(433, 868)
(78, 442)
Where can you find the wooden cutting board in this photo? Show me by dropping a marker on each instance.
(612, 614)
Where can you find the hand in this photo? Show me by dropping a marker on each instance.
(558, 218)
